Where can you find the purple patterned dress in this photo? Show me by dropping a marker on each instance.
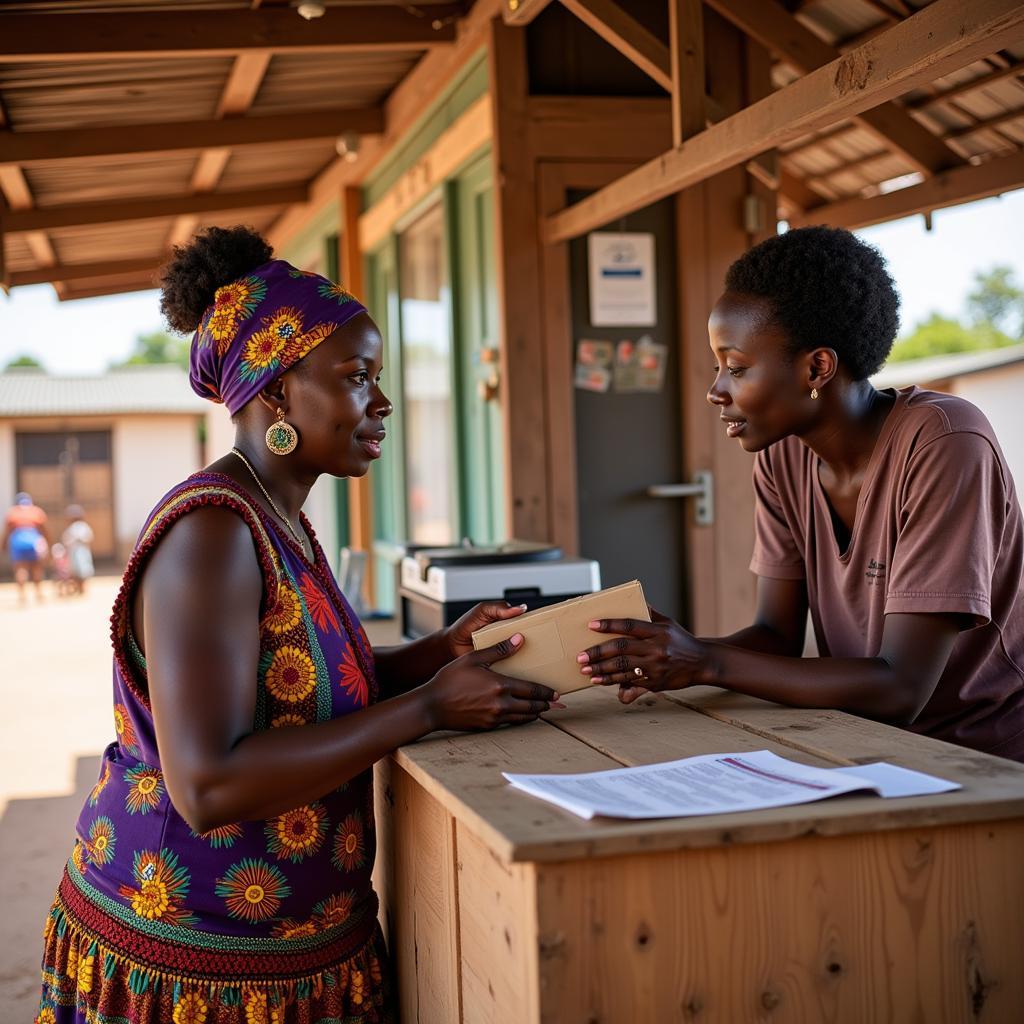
(261, 922)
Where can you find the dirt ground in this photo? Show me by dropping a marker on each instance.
(55, 720)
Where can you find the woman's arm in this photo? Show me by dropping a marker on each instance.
(780, 622)
(892, 687)
(401, 668)
(200, 598)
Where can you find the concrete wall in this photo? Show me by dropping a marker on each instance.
(150, 454)
(999, 394)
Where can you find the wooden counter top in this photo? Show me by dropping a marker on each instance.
(463, 773)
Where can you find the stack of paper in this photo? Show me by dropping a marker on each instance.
(718, 783)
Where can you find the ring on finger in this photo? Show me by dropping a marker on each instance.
(639, 672)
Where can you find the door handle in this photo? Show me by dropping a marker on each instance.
(700, 488)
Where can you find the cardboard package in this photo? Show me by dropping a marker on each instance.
(556, 634)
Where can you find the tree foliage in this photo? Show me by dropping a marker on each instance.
(25, 362)
(995, 310)
(157, 347)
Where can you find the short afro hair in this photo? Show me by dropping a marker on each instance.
(213, 258)
(826, 288)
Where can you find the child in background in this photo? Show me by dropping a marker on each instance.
(78, 538)
(61, 570)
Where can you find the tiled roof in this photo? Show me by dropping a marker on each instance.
(148, 389)
(936, 368)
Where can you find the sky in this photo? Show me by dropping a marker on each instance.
(933, 271)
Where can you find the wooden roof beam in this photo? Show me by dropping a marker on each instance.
(48, 218)
(621, 30)
(939, 39)
(35, 38)
(960, 185)
(84, 271)
(770, 25)
(686, 52)
(80, 143)
(522, 12)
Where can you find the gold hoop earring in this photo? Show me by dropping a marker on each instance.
(814, 394)
(282, 437)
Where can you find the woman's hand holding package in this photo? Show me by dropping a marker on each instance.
(468, 694)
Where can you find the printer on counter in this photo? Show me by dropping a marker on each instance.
(440, 584)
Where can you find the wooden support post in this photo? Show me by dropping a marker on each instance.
(686, 46)
(526, 455)
(360, 492)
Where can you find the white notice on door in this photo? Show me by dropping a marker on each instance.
(621, 279)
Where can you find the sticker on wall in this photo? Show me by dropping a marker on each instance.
(621, 279)
(640, 365)
(593, 365)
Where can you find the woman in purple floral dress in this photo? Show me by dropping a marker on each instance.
(221, 871)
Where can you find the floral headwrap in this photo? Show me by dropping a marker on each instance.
(260, 325)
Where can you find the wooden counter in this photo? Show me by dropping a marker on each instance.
(500, 907)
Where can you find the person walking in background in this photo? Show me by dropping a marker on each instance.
(27, 540)
(77, 540)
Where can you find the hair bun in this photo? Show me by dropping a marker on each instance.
(213, 258)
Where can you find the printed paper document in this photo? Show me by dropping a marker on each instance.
(718, 783)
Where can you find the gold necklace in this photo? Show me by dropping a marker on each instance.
(273, 504)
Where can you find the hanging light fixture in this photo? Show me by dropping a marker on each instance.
(348, 146)
(310, 9)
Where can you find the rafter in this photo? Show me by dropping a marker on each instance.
(75, 143)
(960, 185)
(620, 29)
(244, 80)
(84, 271)
(686, 51)
(936, 41)
(80, 214)
(33, 38)
(769, 23)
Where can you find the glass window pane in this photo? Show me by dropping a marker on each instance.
(427, 373)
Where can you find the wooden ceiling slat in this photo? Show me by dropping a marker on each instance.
(41, 219)
(30, 147)
(31, 37)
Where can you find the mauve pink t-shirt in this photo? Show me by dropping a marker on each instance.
(938, 528)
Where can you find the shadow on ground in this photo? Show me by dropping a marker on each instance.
(36, 836)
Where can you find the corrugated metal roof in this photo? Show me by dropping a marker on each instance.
(158, 389)
(937, 368)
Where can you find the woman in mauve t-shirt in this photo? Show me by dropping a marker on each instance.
(890, 515)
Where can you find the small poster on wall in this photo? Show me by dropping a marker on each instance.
(621, 279)
(593, 365)
(640, 365)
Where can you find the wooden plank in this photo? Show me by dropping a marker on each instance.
(420, 889)
(621, 30)
(456, 145)
(78, 143)
(962, 185)
(686, 49)
(1012, 69)
(77, 214)
(914, 925)
(520, 345)
(360, 490)
(32, 38)
(498, 928)
(937, 40)
(463, 772)
(773, 27)
(522, 12)
(116, 287)
(579, 127)
(244, 81)
(81, 271)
